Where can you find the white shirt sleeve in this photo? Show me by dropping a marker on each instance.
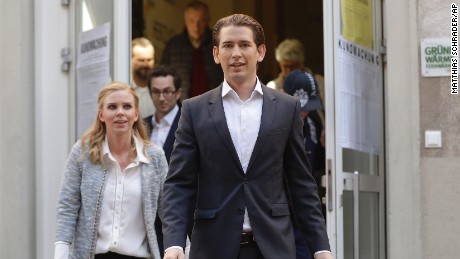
(61, 250)
(178, 247)
(322, 251)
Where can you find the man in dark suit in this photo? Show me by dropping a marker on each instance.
(234, 147)
(165, 90)
(190, 52)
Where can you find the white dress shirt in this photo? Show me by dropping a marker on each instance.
(243, 120)
(121, 224)
(161, 129)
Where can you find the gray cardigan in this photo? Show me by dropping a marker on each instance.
(78, 211)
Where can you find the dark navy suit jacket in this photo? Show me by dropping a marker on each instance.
(169, 143)
(167, 148)
(205, 167)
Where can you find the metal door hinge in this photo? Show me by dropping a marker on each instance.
(383, 51)
(66, 59)
(65, 2)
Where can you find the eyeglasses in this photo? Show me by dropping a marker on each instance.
(166, 94)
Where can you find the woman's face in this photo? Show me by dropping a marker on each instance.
(118, 112)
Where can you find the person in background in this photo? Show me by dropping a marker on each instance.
(190, 53)
(290, 55)
(303, 86)
(235, 147)
(165, 91)
(142, 61)
(112, 185)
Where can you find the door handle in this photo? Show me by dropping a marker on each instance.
(329, 185)
(356, 214)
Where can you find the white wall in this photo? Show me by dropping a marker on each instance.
(17, 170)
(34, 119)
(423, 184)
(439, 110)
(402, 135)
(52, 115)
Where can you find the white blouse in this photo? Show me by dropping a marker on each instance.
(121, 226)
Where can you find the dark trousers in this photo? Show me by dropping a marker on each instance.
(250, 251)
(112, 255)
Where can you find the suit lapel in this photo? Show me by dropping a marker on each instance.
(169, 142)
(268, 113)
(216, 111)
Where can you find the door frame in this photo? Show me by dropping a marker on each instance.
(336, 180)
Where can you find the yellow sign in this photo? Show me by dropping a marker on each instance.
(357, 21)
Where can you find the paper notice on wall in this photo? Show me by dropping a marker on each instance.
(93, 73)
(357, 21)
(361, 94)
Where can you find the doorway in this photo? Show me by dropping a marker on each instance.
(355, 173)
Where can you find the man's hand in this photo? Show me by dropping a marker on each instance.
(326, 255)
(174, 253)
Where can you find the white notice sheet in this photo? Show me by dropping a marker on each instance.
(360, 84)
(93, 73)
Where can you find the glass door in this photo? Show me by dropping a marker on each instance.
(355, 178)
(102, 44)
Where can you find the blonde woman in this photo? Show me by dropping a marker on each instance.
(112, 185)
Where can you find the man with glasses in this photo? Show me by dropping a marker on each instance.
(165, 90)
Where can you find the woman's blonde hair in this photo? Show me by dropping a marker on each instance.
(95, 136)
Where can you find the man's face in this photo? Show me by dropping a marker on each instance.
(238, 54)
(142, 61)
(164, 94)
(196, 21)
(287, 66)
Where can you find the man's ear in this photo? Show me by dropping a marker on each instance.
(261, 50)
(178, 93)
(215, 53)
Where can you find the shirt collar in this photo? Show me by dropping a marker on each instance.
(169, 117)
(140, 157)
(226, 88)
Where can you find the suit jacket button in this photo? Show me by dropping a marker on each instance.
(240, 211)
